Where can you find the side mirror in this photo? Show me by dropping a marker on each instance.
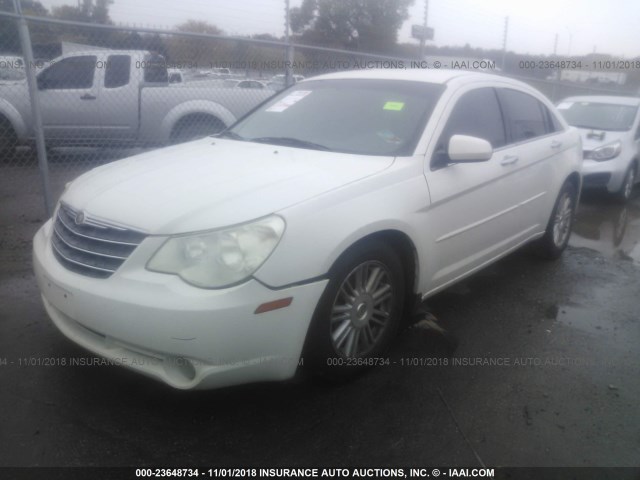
(466, 149)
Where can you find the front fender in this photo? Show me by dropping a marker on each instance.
(18, 123)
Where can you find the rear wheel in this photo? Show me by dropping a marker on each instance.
(359, 313)
(558, 231)
(193, 127)
(624, 194)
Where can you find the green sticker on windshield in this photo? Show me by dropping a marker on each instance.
(397, 106)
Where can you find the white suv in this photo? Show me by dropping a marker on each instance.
(309, 227)
(610, 129)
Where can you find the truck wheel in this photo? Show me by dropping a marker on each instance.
(558, 231)
(358, 314)
(193, 127)
(8, 141)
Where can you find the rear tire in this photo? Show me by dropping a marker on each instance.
(193, 127)
(556, 236)
(358, 314)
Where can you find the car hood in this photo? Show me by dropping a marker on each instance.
(591, 142)
(211, 183)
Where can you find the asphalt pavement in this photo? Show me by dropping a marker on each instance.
(539, 366)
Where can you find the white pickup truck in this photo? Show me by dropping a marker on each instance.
(117, 98)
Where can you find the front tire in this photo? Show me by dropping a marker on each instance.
(8, 141)
(358, 314)
(624, 194)
(558, 231)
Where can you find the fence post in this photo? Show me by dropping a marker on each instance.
(288, 77)
(36, 113)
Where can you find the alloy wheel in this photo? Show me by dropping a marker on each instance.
(361, 311)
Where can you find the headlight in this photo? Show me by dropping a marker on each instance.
(606, 152)
(220, 258)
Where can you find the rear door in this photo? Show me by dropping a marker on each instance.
(537, 142)
(473, 217)
(68, 92)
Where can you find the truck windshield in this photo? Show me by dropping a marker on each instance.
(599, 116)
(361, 116)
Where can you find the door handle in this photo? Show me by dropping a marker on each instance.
(86, 96)
(509, 160)
(556, 144)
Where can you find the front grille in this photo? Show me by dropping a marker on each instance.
(90, 247)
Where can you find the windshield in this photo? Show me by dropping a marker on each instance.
(598, 116)
(362, 116)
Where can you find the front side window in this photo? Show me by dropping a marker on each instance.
(70, 73)
(477, 114)
(599, 115)
(118, 71)
(524, 113)
(361, 116)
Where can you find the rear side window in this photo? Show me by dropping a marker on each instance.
(155, 69)
(554, 123)
(118, 71)
(525, 115)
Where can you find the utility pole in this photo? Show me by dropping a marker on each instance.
(289, 52)
(555, 46)
(423, 40)
(36, 112)
(504, 42)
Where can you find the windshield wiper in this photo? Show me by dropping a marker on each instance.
(232, 135)
(290, 142)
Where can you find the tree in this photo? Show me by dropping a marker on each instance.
(89, 11)
(9, 42)
(364, 25)
(201, 50)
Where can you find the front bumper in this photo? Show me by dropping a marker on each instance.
(608, 174)
(184, 336)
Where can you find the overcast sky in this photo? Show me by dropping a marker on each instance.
(581, 25)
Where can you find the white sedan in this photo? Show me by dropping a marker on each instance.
(306, 231)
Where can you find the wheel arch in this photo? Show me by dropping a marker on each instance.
(10, 115)
(406, 250)
(197, 108)
(576, 179)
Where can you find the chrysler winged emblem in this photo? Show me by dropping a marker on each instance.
(80, 218)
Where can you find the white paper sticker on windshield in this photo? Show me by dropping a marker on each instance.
(564, 105)
(291, 99)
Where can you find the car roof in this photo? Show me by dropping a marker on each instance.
(611, 99)
(420, 75)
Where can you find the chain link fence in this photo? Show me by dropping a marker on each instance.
(108, 92)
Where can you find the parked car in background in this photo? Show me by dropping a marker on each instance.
(610, 130)
(256, 84)
(279, 82)
(11, 69)
(115, 98)
(247, 83)
(175, 75)
(310, 227)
